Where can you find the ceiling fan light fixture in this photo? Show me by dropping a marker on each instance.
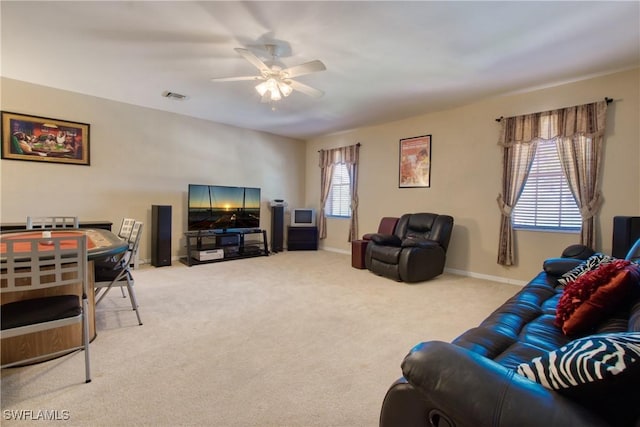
(272, 85)
(285, 89)
(276, 82)
(275, 95)
(262, 88)
(277, 89)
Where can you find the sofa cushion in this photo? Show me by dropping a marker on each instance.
(590, 264)
(521, 328)
(599, 371)
(596, 295)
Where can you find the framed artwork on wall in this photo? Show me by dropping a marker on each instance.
(42, 139)
(415, 162)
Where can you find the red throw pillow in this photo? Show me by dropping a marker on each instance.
(595, 295)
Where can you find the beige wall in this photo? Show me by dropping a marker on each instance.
(466, 173)
(141, 157)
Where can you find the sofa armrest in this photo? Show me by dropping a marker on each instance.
(556, 267)
(471, 390)
(386, 239)
(634, 253)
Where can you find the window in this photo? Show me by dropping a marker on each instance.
(546, 202)
(339, 200)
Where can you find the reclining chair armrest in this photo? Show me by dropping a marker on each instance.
(442, 229)
(472, 390)
(419, 263)
(419, 243)
(386, 239)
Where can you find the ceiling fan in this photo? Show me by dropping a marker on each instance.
(276, 81)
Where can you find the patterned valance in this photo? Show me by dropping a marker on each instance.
(583, 120)
(333, 156)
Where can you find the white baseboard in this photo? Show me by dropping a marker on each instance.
(455, 271)
(340, 251)
(448, 270)
(486, 277)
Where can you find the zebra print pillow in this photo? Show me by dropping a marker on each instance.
(613, 358)
(593, 262)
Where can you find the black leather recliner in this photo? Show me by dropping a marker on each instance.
(416, 251)
(473, 382)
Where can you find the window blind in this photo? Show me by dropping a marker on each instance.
(546, 201)
(339, 200)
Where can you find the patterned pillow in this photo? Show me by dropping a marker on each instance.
(586, 360)
(590, 264)
(601, 372)
(595, 295)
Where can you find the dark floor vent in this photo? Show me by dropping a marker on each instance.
(174, 95)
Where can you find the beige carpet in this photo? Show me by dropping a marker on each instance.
(293, 339)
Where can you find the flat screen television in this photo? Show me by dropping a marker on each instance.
(222, 208)
(303, 217)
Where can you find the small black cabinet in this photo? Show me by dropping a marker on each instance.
(302, 238)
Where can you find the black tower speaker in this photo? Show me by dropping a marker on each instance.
(277, 228)
(626, 230)
(160, 235)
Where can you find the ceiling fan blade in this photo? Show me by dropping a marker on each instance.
(302, 69)
(249, 56)
(307, 90)
(235, 79)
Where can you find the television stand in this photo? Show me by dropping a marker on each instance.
(207, 246)
(302, 238)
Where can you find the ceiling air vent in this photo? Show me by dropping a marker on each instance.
(174, 95)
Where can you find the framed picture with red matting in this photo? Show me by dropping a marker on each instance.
(415, 162)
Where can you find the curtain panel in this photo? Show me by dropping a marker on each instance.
(350, 156)
(578, 133)
(516, 163)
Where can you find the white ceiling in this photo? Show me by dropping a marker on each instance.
(385, 60)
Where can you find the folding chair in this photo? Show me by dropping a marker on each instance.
(125, 231)
(119, 274)
(52, 222)
(33, 264)
(125, 228)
